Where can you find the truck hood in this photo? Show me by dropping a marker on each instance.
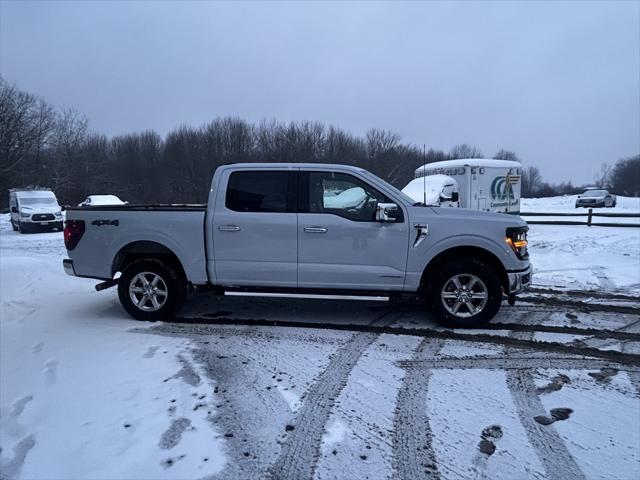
(461, 214)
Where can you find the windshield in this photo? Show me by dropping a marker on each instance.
(594, 193)
(406, 198)
(48, 201)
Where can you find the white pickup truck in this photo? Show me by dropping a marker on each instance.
(301, 228)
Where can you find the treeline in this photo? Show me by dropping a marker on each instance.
(622, 178)
(40, 145)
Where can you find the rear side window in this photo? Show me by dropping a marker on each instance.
(261, 191)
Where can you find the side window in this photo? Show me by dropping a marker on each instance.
(260, 191)
(344, 195)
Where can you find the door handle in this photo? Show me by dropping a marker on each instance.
(229, 228)
(315, 229)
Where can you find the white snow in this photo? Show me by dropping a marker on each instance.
(81, 394)
(350, 197)
(95, 200)
(477, 399)
(591, 434)
(470, 162)
(430, 186)
(566, 203)
(586, 258)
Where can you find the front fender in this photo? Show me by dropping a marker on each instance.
(420, 257)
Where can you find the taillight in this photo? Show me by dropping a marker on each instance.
(517, 239)
(73, 231)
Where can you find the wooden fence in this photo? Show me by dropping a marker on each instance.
(589, 222)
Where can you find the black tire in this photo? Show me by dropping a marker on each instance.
(176, 288)
(489, 280)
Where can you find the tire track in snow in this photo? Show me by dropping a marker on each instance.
(482, 337)
(551, 450)
(513, 362)
(413, 453)
(301, 450)
(635, 380)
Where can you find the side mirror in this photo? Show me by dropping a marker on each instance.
(63, 208)
(387, 212)
(455, 196)
(14, 209)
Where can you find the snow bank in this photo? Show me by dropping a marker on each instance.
(586, 258)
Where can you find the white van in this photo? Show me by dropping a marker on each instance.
(483, 183)
(34, 209)
(434, 190)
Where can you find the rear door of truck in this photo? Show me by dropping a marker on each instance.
(254, 227)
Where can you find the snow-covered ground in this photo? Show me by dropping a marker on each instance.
(585, 258)
(231, 391)
(577, 257)
(567, 203)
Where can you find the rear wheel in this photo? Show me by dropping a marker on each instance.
(150, 289)
(465, 293)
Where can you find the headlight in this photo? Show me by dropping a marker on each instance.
(516, 238)
(25, 215)
(58, 214)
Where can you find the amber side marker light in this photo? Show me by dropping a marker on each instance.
(517, 243)
(519, 247)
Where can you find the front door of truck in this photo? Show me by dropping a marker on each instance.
(255, 228)
(340, 243)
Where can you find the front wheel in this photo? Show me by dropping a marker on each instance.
(150, 289)
(465, 293)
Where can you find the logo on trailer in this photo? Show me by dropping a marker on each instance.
(501, 188)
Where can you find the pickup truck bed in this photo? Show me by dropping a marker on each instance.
(116, 231)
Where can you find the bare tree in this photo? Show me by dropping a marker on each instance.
(601, 178)
(66, 146)
(625, 177)
(506, 155)
(465, 150)
(25, 122)
(531, 182)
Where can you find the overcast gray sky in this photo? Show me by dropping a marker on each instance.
(559, 83)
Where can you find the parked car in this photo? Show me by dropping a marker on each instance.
(278, 228)
(93, 200)
(34, 209)
(596, 198)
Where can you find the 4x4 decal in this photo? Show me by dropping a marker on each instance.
(99, 223)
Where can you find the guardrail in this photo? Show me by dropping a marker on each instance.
(589, 223)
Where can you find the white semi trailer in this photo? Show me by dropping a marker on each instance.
(482, 183)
